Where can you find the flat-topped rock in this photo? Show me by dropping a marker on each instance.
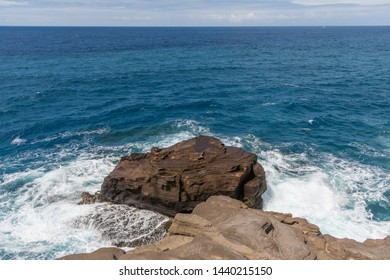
(175, 179)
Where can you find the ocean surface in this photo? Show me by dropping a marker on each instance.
(313, 103)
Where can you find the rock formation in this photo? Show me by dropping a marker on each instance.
(177, 178)
(225, 228)
(205, 183)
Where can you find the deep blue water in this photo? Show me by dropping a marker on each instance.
(313, 103)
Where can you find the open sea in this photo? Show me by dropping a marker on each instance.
(312, 102)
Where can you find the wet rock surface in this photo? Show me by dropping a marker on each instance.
(123, 225)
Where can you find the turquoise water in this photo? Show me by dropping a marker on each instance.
(313, 104)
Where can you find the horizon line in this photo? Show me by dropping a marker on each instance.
(196, 26)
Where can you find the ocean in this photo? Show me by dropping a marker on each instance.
(312, 102)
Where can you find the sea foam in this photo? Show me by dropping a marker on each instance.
(18, 141)
(41, 211)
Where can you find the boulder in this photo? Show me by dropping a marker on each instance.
(175, 179)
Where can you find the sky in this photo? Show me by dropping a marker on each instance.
(194, 12)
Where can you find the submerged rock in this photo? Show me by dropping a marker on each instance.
(177, 178)
(124, 226)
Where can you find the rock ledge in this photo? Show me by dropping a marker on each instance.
(224, 228)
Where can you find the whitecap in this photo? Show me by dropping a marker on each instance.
(41, 212)
(193, 127)
(268, 104)
(18, 141)
(333, 194)
(45, 221)
(69, 134)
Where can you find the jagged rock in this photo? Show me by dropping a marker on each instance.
(177, 178)
(225, 228)
(351, 249)
(87, 198)
(245, 233)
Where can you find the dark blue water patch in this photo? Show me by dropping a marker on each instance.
(387, 195)
(380, 210)
(49, 40)
(5, 255)
(19, 183)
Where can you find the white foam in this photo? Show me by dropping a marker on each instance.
(18, 141)
(268, 104)
(44, 209)
(68, 134)
(187, 130)
(370, 151)
(333, 196)
(193, 127)
(124, 225)
(20, 177)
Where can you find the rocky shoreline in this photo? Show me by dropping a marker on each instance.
(214, 194)
(225, 228)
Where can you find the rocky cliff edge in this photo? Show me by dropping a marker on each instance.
(225, 228)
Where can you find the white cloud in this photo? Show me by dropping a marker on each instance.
(237, 18)
(336, 2)
(194, 12)
(12, 3)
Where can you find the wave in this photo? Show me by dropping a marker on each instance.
(18, 141)
(40, 218)
(36, 216)
(124, 226)
(69, 134)
(331, 192)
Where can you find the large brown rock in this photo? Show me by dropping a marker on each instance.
(177, 178)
